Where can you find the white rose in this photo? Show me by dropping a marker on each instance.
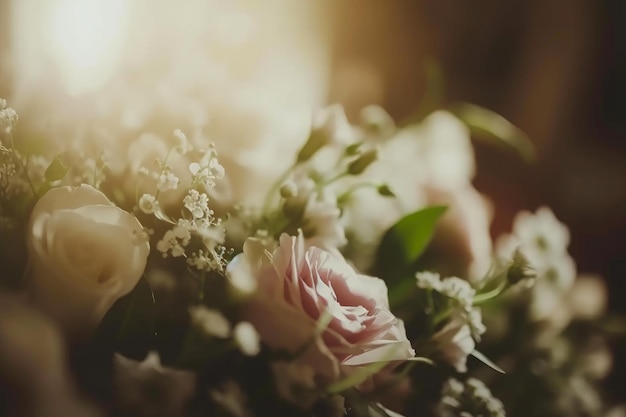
(84, 254)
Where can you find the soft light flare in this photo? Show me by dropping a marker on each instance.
(85, 40)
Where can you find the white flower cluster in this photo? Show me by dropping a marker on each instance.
(209, 169)
(8, 174)
(8, 118)
(202, 224)
(316, 209)
(470, 398)
(198, 220)
(543, 240)
(17, 174)
(460, 293)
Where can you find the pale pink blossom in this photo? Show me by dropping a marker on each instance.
(298, 286)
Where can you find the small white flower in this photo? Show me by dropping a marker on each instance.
(333, 123)
(428, 280)
(455, 342)
(207, 170)
(167, 181)
(247, 338)
(464, 326)
(197, 203)
(459, 290)
(541, 231)
(543, 241)
(170, 244)
(469, 398)
(211, 321)
(475, 321)
(8, 119)
(561, 272)
(321, 218)
(36, 167)
(194, 168)
(182, 232)
(148, 204)
(3, 103)
(200, 261)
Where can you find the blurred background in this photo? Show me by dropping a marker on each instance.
(555, 68)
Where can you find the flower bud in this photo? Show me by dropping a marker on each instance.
(359, 165)
(376, 120)
(385, 191)
(289, 189)
(354, 149)
(317, 140)
(520, 270)
(330, 126)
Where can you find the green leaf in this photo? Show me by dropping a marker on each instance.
(489, 125)
(56, 170)
(402, 291)
(487, 361)
(405, 241)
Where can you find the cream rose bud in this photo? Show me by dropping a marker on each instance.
(84, 253)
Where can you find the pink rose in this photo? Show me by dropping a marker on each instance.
(296, 285)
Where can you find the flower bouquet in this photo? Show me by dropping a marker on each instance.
(139, 281)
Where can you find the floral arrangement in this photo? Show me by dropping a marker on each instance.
(138, 281)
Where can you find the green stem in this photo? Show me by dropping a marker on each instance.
(343, 196)
(333, 179)
(156, 195)
(481, 298)
(275, 187)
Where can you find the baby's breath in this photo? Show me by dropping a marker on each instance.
(148, 204)
(460, 296)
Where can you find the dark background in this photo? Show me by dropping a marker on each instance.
(555, 68)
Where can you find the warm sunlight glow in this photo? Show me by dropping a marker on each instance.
(86, 39)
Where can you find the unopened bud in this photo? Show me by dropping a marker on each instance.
(353, 149)
(317, 140)
(360, 164)
(289, 189)
(385, 191)
(376, 120)
(330, 126)
(520, 269)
